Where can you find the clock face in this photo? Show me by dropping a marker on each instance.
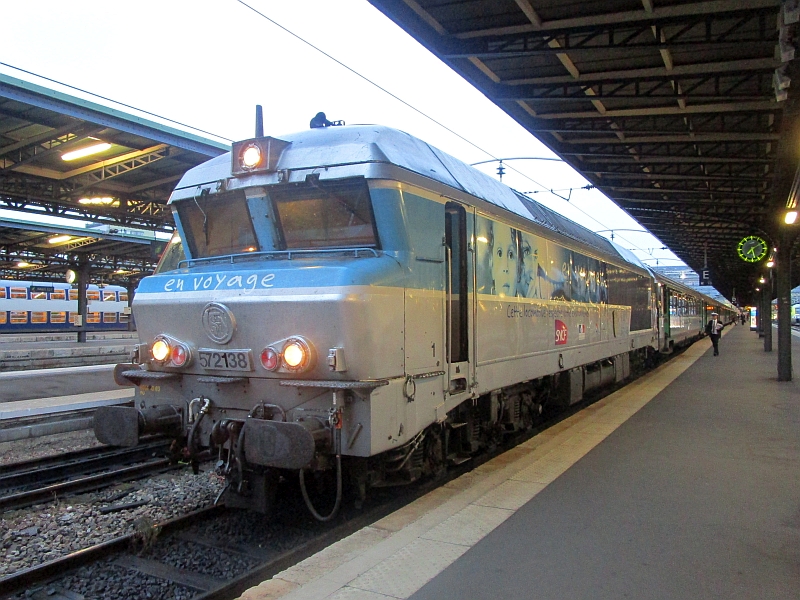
(752, 248)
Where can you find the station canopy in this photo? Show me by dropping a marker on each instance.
(109, 172)
(682, 112)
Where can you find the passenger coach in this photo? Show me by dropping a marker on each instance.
(46, 306)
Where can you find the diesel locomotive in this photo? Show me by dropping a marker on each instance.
(350, 300)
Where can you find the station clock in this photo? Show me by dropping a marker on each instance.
(752, 249)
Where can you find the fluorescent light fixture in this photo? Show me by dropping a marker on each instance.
(86, 151)
(59, 239)
(103, 200)
(790, 217)
(22, 264)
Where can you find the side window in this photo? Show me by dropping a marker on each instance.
(123, 318)
(39, 316)
(19, 317)
(93, 296)
(424, 219)
(58, 316)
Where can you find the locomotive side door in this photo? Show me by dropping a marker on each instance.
(457, 303)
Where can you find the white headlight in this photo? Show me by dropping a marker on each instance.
(160, 350)
(251, 157)
(296, 354)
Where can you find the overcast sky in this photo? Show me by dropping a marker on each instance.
(207, 63)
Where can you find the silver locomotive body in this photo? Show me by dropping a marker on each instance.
(352, 293)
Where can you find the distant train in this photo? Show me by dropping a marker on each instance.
(351, 301)
(39, 307)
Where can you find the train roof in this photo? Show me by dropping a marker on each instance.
(58, 285)
(368, 144)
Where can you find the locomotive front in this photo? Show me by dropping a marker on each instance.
(263, 332)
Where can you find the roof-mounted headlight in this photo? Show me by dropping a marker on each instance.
(251, 156)
(258, 155)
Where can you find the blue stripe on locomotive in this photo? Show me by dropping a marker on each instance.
(540, 269)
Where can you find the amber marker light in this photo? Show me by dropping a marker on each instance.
(160, 350)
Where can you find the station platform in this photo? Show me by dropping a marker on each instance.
(29, 351)
(684, 484)
(38, 417)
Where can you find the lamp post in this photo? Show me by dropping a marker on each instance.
(766, 310)
(784, 268)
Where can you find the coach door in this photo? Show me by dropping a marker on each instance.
(457, 301)
(666, 313)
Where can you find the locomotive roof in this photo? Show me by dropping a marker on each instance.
(364, 144)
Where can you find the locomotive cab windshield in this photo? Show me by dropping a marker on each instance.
(310, 215)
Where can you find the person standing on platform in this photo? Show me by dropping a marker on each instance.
(714, 329)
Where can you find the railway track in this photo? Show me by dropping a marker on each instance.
(189, 558)
(30, 482)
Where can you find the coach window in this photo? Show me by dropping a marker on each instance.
(109, 296)
(19, 317)
(40, 316)
(93, 296)
(58, 316)
(73, 295)
(123, 297)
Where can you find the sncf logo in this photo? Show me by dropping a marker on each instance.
(561, 332)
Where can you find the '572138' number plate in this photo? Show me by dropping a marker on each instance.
(225, 360)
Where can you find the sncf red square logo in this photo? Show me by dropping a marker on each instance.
(561, 332)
